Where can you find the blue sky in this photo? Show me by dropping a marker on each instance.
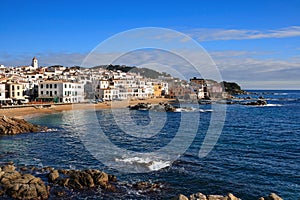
(241, 36)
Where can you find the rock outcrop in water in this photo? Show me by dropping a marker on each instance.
(200, 196)
(161, 107)
(256, 103)
(13, 126)
(21, 186)
(81, 179)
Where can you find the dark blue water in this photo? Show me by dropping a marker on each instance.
(258, 151)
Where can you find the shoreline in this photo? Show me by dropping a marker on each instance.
(34, 112)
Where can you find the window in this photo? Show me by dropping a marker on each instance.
(47, 92)
(42, 92)
(65, 85)
(55, 92)
(12, 87)
(18, 87)
(47, 85)
(42, 85)
(50, 85)
(55, 85)
(69, 85)
(50, 93)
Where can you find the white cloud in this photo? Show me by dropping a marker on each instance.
(236, 34)
(247, 68)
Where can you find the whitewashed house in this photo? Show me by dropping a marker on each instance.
(61, 92)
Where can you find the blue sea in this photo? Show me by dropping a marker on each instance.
(250, 151)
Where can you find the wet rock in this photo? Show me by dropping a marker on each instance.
(256, 103)
(232, 197)
(23, 168)
(198, 196)
(272, 196)
(60, 193)
(53, 175)
(145, 186)
(13, 126)
(76, 179)
(140, 106)
(8, 168)
(180, 197)
(20, 186)
(216, 197)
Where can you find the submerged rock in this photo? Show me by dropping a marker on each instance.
(13, 126)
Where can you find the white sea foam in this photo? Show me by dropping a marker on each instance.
(280, 93)
(273, 105)
(152, 165)
(207, 110)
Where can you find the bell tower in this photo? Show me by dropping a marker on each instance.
(34, 63)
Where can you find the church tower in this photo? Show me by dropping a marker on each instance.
(34, 63)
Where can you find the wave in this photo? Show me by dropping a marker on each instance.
(186, 109)
(273, 105)
(152, 165)
(280, 93)
(207, 110)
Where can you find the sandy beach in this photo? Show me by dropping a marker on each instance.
(33, 111)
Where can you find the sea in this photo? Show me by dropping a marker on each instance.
(250, 151)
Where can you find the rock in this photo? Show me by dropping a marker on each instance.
(8, 168)
(198, 196)
(146, 186)
(216, 197)
(180, 197)
(140, 106)
(13, 126)
(24, 186)
(53, 175)
(272, 196)
(59, 193)
(230, 196)
(256, 103)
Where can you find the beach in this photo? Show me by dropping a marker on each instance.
(38, 110)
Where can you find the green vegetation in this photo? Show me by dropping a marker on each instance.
(148, 73)
(232, 88)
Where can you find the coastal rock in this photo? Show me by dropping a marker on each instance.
(13, 126)
(198, 196)
(272, 196)
(232, 197)
(53, 175)
(216, 197)
(76, 179)
(256, 103)
(180, 197)
(20, 186)
(146, 186)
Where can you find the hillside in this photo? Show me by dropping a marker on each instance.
(148, 73)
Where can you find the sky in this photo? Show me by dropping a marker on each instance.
(255, 43)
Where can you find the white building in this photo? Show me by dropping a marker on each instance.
(61, 92)
(2, 91)
(34, 63)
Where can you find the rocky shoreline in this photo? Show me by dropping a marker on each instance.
(13, 126)
(28, 183)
